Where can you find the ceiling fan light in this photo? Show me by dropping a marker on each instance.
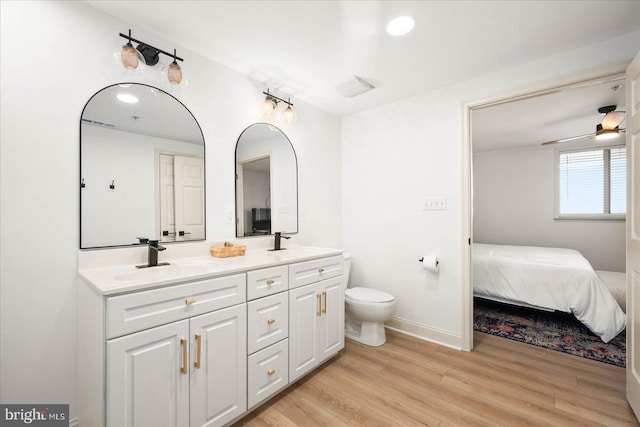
(605, 134)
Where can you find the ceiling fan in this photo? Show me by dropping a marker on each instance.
(607, 129)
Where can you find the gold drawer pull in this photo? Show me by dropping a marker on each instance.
(196, 364)
(270, 282)
(321, 270)
(271, 321)
(324, 306)
(190, 301)
(183, 368)
(271, 372)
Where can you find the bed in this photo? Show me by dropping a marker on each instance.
(549, 279)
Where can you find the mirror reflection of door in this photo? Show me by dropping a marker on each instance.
(254, 204)
(266, 182)
(181, 197)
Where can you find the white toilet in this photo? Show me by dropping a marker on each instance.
(366, 311)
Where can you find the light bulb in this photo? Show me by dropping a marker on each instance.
(289, 116)
(267, 107)
(174, 73)
(129, 57)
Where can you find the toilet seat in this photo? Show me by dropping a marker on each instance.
(367, 295)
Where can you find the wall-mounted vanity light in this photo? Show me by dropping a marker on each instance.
(149, 55)
(271, 103)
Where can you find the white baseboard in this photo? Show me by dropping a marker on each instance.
(426, 333)
(73, 422)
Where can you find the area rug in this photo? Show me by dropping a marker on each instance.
(553, 330)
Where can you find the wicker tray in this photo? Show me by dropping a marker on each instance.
(227, 250)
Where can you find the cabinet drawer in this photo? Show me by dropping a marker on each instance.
(312, 271)
(268, 281)
(268, 372)
(267, 321)
(142, 310)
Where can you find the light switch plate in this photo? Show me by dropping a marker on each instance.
(435, 204)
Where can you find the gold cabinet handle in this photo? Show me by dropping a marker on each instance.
(271, 372)
(270, 282)
(324, 306)
(183, 368)
(271, 321)
(190, 301)
(319, 312)
(198, 337)
(321, 270)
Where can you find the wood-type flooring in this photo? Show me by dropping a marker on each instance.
(411, 382)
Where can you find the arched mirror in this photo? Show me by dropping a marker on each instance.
(142, 168)
(266, 182)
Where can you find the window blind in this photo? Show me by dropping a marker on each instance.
(593, 182)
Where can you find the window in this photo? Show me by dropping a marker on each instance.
(592, 183)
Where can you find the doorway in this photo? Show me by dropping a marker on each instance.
(474, 121)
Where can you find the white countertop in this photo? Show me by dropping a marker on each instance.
(127, 278)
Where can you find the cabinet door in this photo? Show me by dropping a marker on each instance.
(219, 383)
(304, 318)
(331, 334)
(146, 382)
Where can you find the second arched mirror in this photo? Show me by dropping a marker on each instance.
(266, 182)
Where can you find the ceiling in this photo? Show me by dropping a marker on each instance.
(562, 113)
(306, 49)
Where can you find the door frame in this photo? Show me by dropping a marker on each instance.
(546, 88)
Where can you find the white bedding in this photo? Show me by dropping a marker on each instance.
(551, 278)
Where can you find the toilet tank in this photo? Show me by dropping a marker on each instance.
(347, 269)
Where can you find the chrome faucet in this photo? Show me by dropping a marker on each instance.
(277, 240)
(154, 248)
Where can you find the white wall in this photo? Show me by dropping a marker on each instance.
(397, 155)
(43, 94)
(514, 203)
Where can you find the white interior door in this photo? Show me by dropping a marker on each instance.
(188, 175)
(633, 235)
(167, 209)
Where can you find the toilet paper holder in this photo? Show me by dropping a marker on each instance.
(422, 259)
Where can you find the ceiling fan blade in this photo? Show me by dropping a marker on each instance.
(612, 119)
(589, 135)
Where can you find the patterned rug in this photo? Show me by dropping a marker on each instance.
(553, 330)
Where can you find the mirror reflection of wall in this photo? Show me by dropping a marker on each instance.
(124, 131)
(266, 182)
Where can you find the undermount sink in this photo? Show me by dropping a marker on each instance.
(159, 272)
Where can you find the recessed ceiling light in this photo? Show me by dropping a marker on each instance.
(400, 26)
(129, 99)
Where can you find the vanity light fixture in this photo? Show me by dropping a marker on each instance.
(271, 103)
(131, 57)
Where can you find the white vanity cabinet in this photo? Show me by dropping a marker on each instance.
(316, 311)
(189, 372)
(140, 365)
(165, 348)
